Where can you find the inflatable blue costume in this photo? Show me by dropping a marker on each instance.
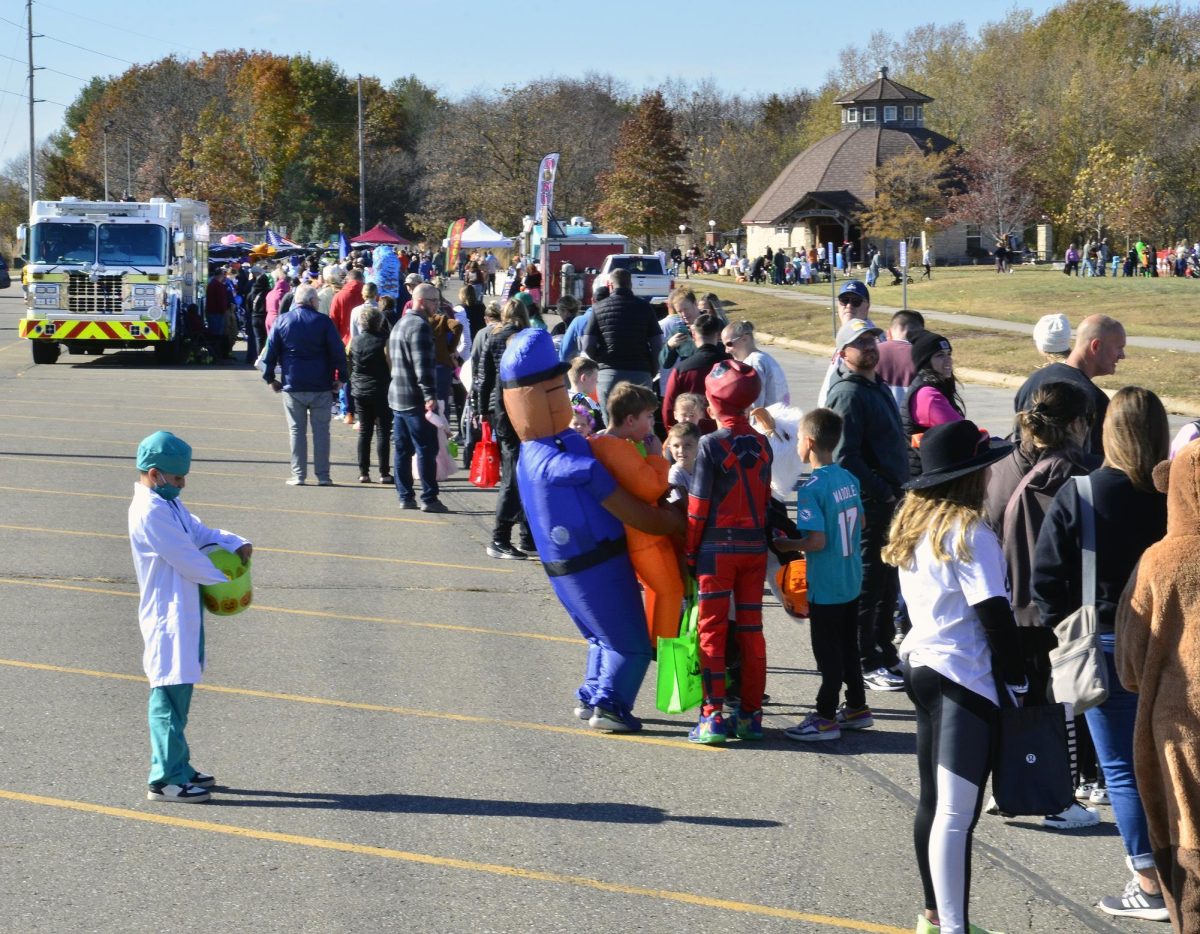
(575, 511)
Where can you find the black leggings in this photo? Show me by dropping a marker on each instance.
(954, 738)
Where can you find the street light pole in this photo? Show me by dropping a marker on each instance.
(128, 171)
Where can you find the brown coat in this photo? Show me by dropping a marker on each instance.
(1158, 656)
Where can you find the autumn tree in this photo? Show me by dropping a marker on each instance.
(997, 189)
(480, 155)
(1114, 193)
(648, 190)
(908, 188)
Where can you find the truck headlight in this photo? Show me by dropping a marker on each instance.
(46, 294)
(139, 295)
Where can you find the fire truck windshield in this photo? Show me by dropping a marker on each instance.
(133, 245)
(109, 244)
(62, 244)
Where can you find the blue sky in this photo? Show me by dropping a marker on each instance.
(751, 47)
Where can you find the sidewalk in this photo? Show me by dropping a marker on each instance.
(881, 312)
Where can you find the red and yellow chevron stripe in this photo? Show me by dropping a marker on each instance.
(95, 330)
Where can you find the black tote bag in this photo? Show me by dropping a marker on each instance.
(1031, 765)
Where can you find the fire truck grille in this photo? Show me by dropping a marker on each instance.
(101, 297)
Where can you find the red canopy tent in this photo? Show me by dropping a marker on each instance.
(380, 233)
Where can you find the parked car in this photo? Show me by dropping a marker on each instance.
(5, 278)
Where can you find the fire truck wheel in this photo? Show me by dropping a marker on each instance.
(45, 351)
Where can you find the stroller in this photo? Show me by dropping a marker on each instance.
(897, 276)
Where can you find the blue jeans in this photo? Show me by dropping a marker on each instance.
(412, 434)
(1111, 725)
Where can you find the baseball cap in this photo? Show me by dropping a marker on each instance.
(1052, 334)
(851, 331)
(858, 288)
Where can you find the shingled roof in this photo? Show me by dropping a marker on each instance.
(884, 88)
(835, 170)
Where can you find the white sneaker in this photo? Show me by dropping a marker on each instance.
(177, 794)
(883, 680)
(1099, 795)
(1072, 818)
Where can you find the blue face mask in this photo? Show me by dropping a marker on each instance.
(167, 490)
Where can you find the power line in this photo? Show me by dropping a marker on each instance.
(82, 48)
(40, 100)
(98, 22)
(45, 68)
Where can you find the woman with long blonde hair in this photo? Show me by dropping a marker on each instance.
(962, 644)
(1129, 515)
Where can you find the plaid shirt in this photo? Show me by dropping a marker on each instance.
(411, 348)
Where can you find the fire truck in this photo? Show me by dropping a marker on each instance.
(112, 274)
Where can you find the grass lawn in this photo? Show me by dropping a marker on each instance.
(1169, 373)
(1148, 307)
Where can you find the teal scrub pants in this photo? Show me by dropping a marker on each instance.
(170, 758)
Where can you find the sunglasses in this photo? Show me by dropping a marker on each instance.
(850, 299)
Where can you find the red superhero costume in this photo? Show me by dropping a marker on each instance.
(727, 546)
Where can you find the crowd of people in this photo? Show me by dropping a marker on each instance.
(938, 559)
(1098, 258)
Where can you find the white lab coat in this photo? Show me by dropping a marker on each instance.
(166, 540)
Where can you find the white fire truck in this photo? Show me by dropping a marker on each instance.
(112, 274)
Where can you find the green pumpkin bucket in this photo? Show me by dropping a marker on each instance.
(233, 596)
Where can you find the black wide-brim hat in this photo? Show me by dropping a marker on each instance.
(954, 450)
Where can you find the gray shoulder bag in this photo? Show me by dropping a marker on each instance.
(1078, 670)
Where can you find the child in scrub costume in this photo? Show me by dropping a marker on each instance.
(167, 543)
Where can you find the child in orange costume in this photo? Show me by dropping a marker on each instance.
(632, 454)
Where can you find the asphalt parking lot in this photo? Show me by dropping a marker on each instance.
(390, 724)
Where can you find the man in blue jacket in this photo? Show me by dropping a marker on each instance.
(309, 352)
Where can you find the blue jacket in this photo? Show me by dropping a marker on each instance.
(309, 350)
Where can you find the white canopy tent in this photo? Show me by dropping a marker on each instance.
(480, 236)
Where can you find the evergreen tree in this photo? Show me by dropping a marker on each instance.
(648, 192)
(298, 230)
(318, 231)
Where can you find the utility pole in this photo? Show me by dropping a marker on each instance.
(32, 101)
(108, 125)
(362, 170)
(128, 170)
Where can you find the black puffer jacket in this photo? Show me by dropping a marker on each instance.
(489, 400)
(623, 333)
(370, 374)
(911, 426)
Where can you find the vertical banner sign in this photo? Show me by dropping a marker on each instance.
(543, 201)
(832, 287)
(454, 235)
(904, 274)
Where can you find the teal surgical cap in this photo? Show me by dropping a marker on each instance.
(166, 452)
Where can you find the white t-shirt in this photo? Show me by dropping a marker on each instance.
(946, 633)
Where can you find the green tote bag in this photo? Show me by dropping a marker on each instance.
(679, 684)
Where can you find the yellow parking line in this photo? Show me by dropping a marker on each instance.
(448, 862)
(279, 551)
(317, 614)
(378, 708)
(198, 410)
(298, 512)
(151, 422)
(128, 466)
(129, 445)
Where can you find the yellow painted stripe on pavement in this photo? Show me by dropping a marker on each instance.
(152, 406)
(128, 444)
(129, 468)
(448, 862)
(380, 708)
(151, 422)
(192, 502)
(280, 551)
(317, 614)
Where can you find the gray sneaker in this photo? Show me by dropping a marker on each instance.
(1135, 902)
